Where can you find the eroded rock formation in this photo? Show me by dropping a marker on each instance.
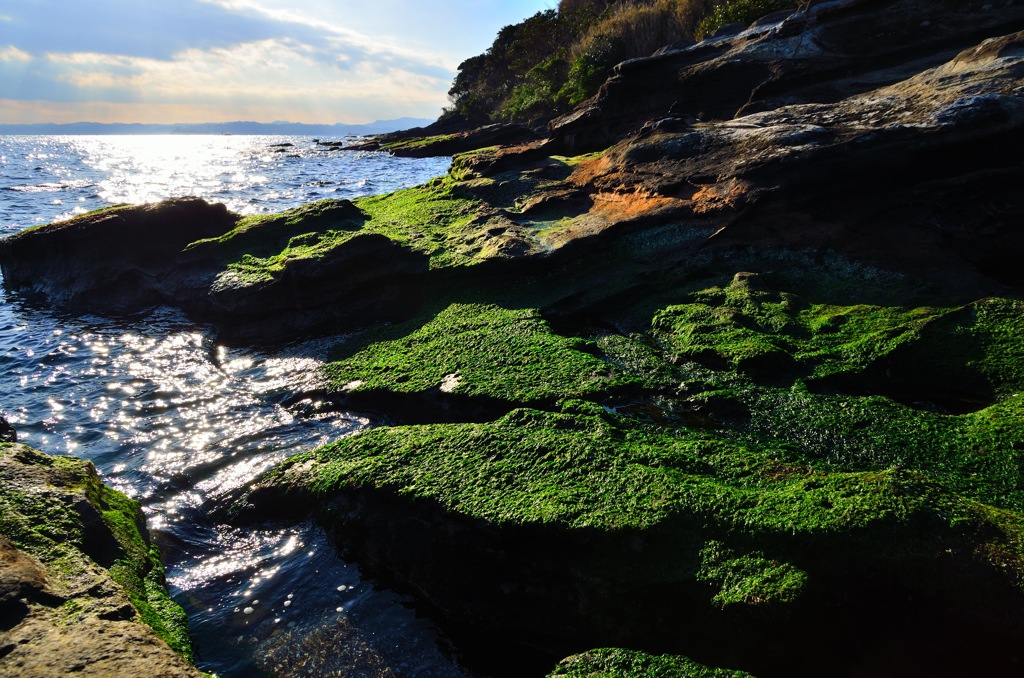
(733, 352)
(81, 586)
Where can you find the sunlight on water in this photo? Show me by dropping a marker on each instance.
(49, 178)
(176, 420)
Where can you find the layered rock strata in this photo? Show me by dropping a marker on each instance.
(727, 369)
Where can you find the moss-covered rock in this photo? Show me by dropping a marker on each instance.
(82, 584)
(614, 528)
(621, 663)
(755, 368)
(475, 351)
(741, 465)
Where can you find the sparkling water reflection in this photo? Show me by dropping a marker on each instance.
(48, 178)
(175, 420)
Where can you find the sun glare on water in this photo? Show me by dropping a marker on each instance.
(144, 169)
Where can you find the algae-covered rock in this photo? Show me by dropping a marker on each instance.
(470, 355)
(550, 528)
(82, 590)
(755, 461)
(621, 663)
(742, 383)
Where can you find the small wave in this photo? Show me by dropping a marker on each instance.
(49, 187)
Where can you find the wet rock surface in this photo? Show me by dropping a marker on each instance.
(81, 590)
(734, 352)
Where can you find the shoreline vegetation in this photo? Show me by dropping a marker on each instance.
(712, 368)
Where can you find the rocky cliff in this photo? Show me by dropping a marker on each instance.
(726, 368)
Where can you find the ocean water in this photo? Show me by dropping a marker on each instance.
(175, 420)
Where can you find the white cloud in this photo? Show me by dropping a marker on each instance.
(312, 17)
(12, 53)
(276, 77)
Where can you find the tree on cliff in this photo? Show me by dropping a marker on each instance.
(554, 60)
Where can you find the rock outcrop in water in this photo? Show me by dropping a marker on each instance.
(81, 586)
(442, 139)
(728, 367)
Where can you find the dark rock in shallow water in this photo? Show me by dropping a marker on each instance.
(196, 256)
(7, 432)
(427, 143)
(111, 259)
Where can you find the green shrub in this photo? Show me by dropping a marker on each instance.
(739, 11)
(546, 64)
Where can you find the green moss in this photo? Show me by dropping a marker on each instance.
(529, 466)
(979, 455)
(869, 387)
(260, 246)
(477, 350)
(622, 663)
(456, 220)
(750, 579)
(418, 143)
(588, 470)
(637, 357)
(750, 328)
(447, 224)
(756, 446)
(54, 519)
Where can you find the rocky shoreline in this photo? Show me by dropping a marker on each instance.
(82, 590)
(725, 367)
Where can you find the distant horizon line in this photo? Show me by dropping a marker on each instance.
(229, 127)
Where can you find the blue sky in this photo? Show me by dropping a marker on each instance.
(165, 61)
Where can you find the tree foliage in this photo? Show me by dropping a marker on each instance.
(554, 60)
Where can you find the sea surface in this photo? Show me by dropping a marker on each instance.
(175, 420)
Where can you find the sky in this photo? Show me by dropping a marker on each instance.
(168, 61)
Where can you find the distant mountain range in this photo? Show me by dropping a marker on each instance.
(240, 127)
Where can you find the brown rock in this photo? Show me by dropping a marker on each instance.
(825, 53)
(61, 611)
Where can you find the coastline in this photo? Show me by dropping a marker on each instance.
(681, 383)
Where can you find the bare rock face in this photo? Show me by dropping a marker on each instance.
(916, 176)
(828, 52)
(63, 610)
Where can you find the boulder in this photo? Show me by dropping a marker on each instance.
(7, 432)
(111, 259)
(81, 586)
